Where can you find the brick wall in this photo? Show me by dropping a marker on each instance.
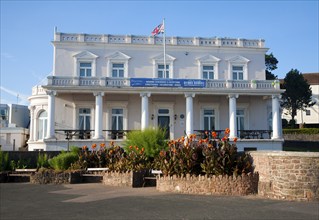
(215, 185)
(287, 175)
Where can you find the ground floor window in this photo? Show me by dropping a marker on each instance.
(42, 125)
(163, 121)
(84, 119)
(240, 120)
(209, 119)
(117, 119)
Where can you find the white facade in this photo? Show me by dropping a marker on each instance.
(104, 85)
(311, 115)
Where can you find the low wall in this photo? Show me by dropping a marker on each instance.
(51, 177)
(301, 137)
(215, 185)
(130, 179)
(287, 175)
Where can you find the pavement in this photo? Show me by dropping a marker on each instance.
(97, 201)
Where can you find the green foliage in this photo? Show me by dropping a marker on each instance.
(20, 164)
(271, 64)
(4, 163)
(203, 156)
(64, 160)
(298, 93)
(301, 131)
(152, 140)
(43, 161)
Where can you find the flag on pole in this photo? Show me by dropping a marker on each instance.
(159, 29)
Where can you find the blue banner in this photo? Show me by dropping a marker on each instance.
(182, 83)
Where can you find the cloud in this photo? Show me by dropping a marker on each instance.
(22, 97)
(6, 55)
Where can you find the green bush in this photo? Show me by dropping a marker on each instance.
(20, 164)
(301, 131)
(4, 165)
(43, 161)
(151, 140)
(65, 159)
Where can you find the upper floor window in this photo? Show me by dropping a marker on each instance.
(85, 64)
(85, 69)
(208, 67)
(118, 65)
(158, 66)
(238, 73)
(118, 70)
(162, 72)
(238, 68)
(208, 72)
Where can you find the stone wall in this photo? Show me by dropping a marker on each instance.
(52, 177)
(215, 185)
(130, 179)
(287, 175)
(301, 137)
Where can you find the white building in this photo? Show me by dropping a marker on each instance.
(105, 85)
(309, 117)
(14, 123)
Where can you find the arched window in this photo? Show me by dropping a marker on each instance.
(42, 125)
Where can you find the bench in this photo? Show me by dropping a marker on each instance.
(99, 169)
(154, 172)
(21, 175)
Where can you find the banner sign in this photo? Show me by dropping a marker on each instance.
(156, 82)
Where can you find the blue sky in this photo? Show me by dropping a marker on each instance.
(290, 29)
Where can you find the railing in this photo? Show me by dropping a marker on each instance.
(242, 134)
(88, 134)
(125, 82)
(184, 41)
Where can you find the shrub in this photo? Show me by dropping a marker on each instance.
(4, 163)
(43, 161)
(20, 164)
(64, 160)
(152, 140)
(301, 131)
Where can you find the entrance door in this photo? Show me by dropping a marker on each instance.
(164, 121)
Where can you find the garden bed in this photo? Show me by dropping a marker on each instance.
(215, 185)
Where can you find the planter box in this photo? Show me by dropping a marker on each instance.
(215, 185)
(127, 179)
(51, 177)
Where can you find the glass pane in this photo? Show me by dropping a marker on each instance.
(114, 123)
(163, 111)
(238, 68)
(240, 112)
(121, 73)
(114, 73)
(160, 74)
(161, 67)
(87, 123)
(120, 121)
(118, 65)
(117, 111)
(85, 64)
(241, 76)
(212, 123)
(45, 125)
(211, 75)
(206, 125)
(208, 112)
(82, 72)
(234, 75)
(208, 67)
(167, 74)
(88, 72)
(205, 76)
(81, 122)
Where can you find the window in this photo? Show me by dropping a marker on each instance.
(209, 119)
(238, 73)
(240, 120)
(161, 71)
(308, 112)
(4, 114)
(117, 119)
(42, 125)
(117, 70)
(208, 72)
(85, 69)
(84, 119)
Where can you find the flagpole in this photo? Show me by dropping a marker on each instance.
(164, 45)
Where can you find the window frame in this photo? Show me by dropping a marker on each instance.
(208, 60)
(85, 69)
(117, 58)
(118, 69)
(84, 57)
(238, 61)
(159, 60)
(43, 120)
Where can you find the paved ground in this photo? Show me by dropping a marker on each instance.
(96, 201)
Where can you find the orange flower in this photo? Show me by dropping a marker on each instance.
(102, 144)
(143, 149)
(85, 147)
(227, 131)
(235, 139)
(206, 132)
(112, 143)
(224, 138)
(130, 147)
(111, 151)
(162, 153)
(93, 146)
(214, 134)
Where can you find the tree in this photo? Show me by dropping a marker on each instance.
(298, 93)
(271, 64)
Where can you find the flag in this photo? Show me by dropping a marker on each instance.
(158, 29)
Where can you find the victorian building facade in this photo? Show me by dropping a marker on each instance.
(104, 86)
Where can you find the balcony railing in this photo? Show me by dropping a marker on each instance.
(125, 83)
(242, 134)
(77, 134)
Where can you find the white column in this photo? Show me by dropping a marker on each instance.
(31, 130)
(232, 116)
(189, 113)
(51, 115)
(144, 110)
(276, 134)
(98, 115)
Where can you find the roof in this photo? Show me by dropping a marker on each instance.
(312, 78)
